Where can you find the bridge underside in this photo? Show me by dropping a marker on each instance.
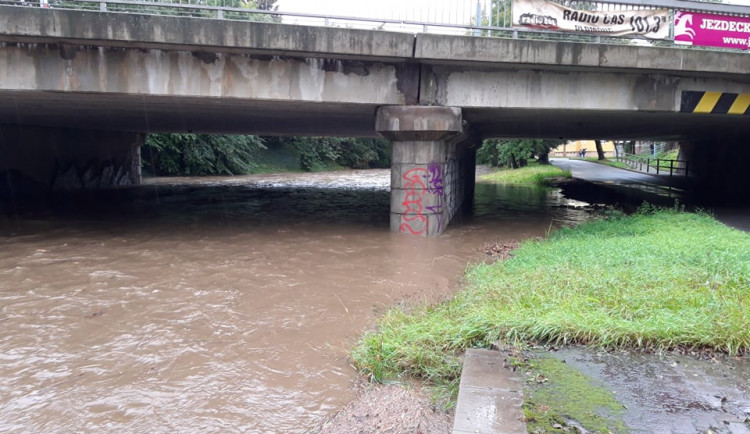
(146, 113)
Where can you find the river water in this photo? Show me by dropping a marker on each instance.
(219, 304)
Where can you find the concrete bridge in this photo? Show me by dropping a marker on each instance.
(79, 89)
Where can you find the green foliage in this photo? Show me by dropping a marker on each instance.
(514, 153)
(200, 154)
(365, 153)
(499, 15)
(319, 153)
(656, 280)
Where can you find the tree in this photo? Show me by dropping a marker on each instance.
(319, 153)
(499, 16)
(200, 154)
(514, 153)
(599, 149)
(264, 5)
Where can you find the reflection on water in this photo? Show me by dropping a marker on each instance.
(218, 304)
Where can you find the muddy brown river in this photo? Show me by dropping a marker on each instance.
(219, 304)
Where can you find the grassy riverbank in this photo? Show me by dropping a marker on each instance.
(655, 280)
(533, 174)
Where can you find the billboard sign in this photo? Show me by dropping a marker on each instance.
(542, 14)
(693, 28)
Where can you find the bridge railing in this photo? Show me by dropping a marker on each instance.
(458, 17)
(658, 166)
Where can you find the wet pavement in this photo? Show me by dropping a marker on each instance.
(665, 393)
(594, 172)
(671, 393)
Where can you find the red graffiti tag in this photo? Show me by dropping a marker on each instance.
(412, 203)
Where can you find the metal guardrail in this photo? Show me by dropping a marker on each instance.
(459, 17)
(655, 165)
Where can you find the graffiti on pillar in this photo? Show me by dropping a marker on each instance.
(414, 221)
(435, 186)
(419, 182)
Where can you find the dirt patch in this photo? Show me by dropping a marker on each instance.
(392, 409)
(499, 251)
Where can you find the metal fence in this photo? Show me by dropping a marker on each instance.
(457, 17)
(659, 166)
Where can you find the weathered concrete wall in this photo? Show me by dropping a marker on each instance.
(524, 88)
(52, 159)
(429, 173)
(184, 74)
(188, 34)
(466, 50)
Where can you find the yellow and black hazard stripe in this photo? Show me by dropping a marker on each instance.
(715, 102)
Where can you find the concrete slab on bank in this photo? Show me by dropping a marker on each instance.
(489, 396)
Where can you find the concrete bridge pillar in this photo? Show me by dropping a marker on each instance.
(432, 169)
(38, 160)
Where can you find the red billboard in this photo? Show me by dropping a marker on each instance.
(693, 28)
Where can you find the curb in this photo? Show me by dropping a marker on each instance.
(489, 396)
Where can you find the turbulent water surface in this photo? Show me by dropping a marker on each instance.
(218, 304)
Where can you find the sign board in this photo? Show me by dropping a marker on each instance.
(542, 14)
(693, 28)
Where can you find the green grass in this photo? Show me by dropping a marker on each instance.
(608, 162)
(533, 174)
(656, 280)
(669, 155)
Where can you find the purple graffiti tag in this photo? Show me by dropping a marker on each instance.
(435, 186)
(421, 181)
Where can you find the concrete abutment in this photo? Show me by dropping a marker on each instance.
(38, 160)
(718, 168)
(432, 169)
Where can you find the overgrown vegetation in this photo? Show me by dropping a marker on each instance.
(319, 153)
(656, 280)
(200, 154)
(533, 174)
(203, 154)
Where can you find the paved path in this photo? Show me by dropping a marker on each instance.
(595, 172)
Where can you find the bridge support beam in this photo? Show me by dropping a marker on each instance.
(38, 160)
(432, 169)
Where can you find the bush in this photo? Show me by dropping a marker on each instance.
(200, 154)
(319, 153)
